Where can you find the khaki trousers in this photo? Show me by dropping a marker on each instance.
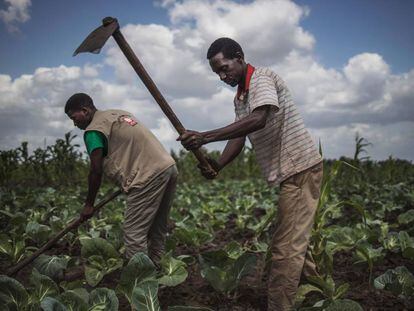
(298, 201)
(146, 215)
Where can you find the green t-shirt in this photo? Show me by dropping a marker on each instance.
(94, 140)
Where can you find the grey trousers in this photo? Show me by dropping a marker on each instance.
(146, 215)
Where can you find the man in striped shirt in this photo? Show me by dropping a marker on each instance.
(286, 153)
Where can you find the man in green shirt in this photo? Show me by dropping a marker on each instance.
(128, 153)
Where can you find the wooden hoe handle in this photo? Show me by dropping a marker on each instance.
(152, 88)
(73, 225)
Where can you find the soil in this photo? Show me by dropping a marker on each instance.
(358, 278)
(251, 294)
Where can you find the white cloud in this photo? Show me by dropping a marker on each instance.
(17, 12)
(174, 69)
(363, 92)
(367, 73)
(165, 132)
(364, 96)
(207, 112)
(268, 30)
(175, 56)
(394, 139)
(32, 106)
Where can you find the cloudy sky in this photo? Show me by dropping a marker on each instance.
(349, 65)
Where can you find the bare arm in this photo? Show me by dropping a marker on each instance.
(231, 151)
(255, 121)
(94, 181)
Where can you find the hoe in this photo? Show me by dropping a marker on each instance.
(93, 44)
(97, 39)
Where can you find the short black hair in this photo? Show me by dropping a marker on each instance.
(78, 101)
(227, 46)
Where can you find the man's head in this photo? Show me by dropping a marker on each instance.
(80, 109)
(226, 58)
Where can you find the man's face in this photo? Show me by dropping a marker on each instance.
(230, 71)
(81, 118)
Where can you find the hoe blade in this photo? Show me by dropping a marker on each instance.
(97, 38)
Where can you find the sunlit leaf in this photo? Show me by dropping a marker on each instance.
(13, 295)
(139, 269)
(144, 296)
(52, 266)
(174, 271)
(52, 304)
(399, 281)
(103, 299)
(43, 286)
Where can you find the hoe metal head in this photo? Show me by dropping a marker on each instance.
(97, 38)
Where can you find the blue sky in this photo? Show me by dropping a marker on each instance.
(56, 28)
(348, 63)
(342, 28)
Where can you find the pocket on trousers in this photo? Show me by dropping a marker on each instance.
(316, 168)
(316, 175)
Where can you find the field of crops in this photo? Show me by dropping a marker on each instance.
(362, 241)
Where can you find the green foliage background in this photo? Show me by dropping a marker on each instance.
(366, 209)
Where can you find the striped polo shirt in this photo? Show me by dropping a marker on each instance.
(283, 147)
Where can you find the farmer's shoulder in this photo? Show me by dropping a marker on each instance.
(115, 112)
(264, 74)
(263, 78)
(110, 116)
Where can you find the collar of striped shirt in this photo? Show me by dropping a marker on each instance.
(249, 73)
